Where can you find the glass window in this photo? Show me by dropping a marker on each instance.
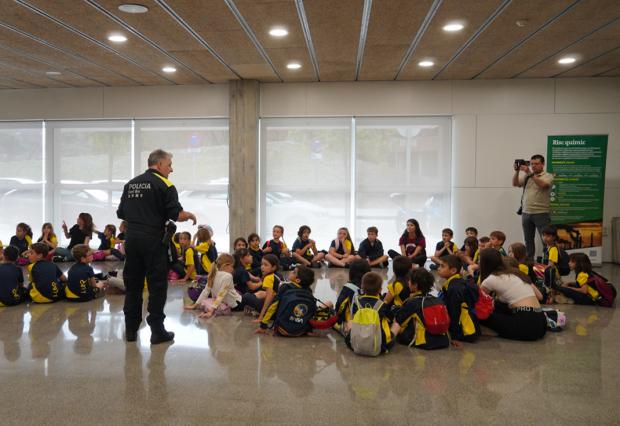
(305, 176)
(200, 164)
(403, 170)
(92, 162)
(21, 177)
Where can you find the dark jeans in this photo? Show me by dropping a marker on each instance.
(524, 325)
(145, 258)
(250, 299)
(64, 252)
(419, 260)
(579, 298)
(531, 223)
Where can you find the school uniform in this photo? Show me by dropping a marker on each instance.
(45, 284)
(370, 251)
(12, 291)
(278, 248)
(188, 260)
(592, 296)
(440, 245)
(340, 248)
(343, 303)
(460, 304)
(257, 258)
(21, 244)
(270, 281)
(300, 244)
(399, 291)
(385, 316)
(241, 276)
(273, 308)
(78, 287)
(208, 255)
(106, 243)
(53, 240)
(411, 320)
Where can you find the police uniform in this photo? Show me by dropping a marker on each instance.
(148, 201)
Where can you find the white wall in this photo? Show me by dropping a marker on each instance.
(494, 122)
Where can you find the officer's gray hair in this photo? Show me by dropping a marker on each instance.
(156, 156)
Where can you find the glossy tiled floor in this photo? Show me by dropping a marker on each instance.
(67, 363)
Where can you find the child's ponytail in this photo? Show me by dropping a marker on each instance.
(222, 260)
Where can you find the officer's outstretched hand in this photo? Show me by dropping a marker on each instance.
(185, 216)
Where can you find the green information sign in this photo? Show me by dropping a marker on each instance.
(578, 164)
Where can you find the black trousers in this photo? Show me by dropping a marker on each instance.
(250, 299)
(522, 325)
(419, 260)
(145, 257)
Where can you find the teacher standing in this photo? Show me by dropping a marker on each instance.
(147, 203)
(536, 184)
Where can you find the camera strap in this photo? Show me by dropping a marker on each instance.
(523, 193)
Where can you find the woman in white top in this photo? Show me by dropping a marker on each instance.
(517, 313)
(221, 289)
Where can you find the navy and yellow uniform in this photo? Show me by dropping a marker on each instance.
(208, 254)
(277, 247)
(270, 281)
(440, 246)
(78, 287)
(399, 291)
(300, 244)
(257, 258)
(410, 319)
(22, 245)
(529, 271)
(107, 243)
(385, 316)
(148, 201)
(460, 301)
(341, 247)
(45, 283)
(551, 255)
(343, 303)
(371, 251)
(12, 289)
(189, 260)
(273, 308)
(241, 276)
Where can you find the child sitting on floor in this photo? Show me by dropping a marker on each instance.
(341, 251)
(205, 247)
(239, 243)
(256, 252)
(188, 257)
(47, 282)
(445, 247)
(293, 307)
(398, 288)
(469, 256)
(12, 290)
(409, 324)
(304, 249)
(460, 300)
(242, 277)
(260, 300)
(371, 249)
(357, 269)
(82, 285)
(22, 239)
(108, 243)
(221, 289)
(580, 291)
(277, 247)
(484, 242)
(497, 240)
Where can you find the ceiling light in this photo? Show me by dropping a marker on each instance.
(426, 64)
(567, 60)
(53, 73)
(168, 69)
(117, 38)
(133, 8)
(453, 27)
(293, 65)
(278, 32)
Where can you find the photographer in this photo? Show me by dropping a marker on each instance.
(535, 210)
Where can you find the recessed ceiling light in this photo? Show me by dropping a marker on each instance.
(567, 60)
(117, 38)
(293, 65)
(278, 32)
(453, 27)
(426, 64)
(133, 8)
(53, 73)
(168, 69)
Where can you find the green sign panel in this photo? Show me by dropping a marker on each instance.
(578, 164)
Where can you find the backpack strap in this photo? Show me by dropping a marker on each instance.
(355, 289)
(378, 305)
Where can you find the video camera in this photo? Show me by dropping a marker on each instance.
(521, 162)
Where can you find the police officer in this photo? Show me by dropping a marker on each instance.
(148, 201)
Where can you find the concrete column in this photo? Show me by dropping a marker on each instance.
(243, 158)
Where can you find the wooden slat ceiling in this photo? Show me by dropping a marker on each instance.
(213, 41)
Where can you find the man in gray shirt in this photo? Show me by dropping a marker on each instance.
(536, 194)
